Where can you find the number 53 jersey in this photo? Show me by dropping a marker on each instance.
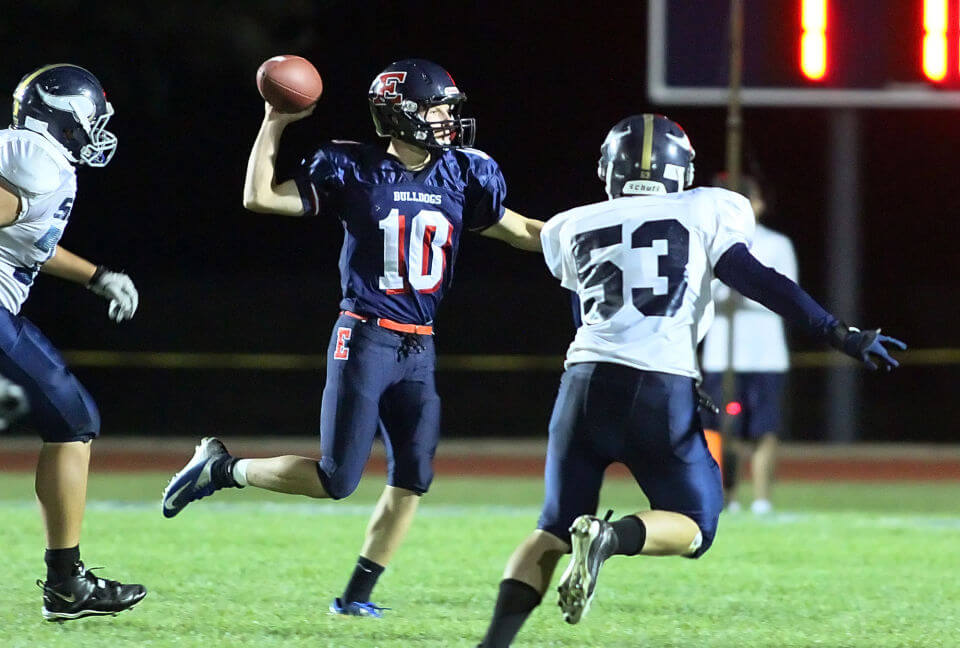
(401, 227)
(642, 267)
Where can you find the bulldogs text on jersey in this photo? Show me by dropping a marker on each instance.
(401, 227)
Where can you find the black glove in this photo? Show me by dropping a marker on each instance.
(865, 346)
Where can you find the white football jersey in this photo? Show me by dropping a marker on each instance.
(759, 341)
(642, 267)
(46, 182)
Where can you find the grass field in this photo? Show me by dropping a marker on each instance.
(869, 564)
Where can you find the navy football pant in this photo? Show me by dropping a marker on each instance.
(60, 408)
(646, 420)
(378, 379)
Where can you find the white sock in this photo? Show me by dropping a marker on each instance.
(240, 472)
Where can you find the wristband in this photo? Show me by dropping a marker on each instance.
(99, 272)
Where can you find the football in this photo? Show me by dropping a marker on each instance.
(289, 83)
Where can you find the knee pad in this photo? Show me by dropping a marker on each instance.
(701, 543)
(80, 422)
(339, 482)
(414, 476)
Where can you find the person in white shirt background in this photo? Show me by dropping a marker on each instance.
(761, 360)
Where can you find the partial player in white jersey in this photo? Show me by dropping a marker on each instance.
(642, 265)
(60, 113)
(761, 360)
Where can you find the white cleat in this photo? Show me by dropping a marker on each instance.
(593, 541)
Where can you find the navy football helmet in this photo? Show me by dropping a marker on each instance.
(398, 95)
(646, 154)
(67, 105)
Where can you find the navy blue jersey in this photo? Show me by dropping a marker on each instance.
(401, 228)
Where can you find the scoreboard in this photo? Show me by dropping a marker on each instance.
(817, 53)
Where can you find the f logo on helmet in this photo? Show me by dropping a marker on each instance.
(387, 87)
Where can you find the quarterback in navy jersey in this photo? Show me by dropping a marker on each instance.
(60, 114)
(403, 211)
(642, 264)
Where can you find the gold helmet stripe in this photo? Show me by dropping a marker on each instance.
(18, 93)
(647, 154)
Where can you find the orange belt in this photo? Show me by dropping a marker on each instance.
(399, 327)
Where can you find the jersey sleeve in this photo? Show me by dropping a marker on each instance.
(317, 178)
(28, 171)
(484, 193)
(733, 222)
(560, 265)
(550, 241)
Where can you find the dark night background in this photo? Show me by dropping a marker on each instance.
(545, 81)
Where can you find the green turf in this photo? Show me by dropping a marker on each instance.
(872, 565)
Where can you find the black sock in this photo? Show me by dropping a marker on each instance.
(221, 472)
(514, 604)
(631, 535)
(364, 577)
(60, 563)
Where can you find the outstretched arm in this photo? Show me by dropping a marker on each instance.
(741, 271)
(67, 265)
(114, 286)
(519, 231)
(261, 193)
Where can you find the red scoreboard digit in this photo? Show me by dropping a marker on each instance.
(851, 53)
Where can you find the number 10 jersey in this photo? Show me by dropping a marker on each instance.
(401, 227)
(642, 267)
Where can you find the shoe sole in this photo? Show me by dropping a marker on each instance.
(60, 617)
(574, 600)
(332, 611)
(200, 455)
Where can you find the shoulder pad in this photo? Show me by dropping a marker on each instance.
(28, 167)
(473, 151)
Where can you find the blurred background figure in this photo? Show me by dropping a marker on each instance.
(760, 359)
(13, 403)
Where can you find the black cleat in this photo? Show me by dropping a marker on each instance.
(593, 542)
(83, 594)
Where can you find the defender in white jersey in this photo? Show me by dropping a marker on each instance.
(60, 115)
(642, 265)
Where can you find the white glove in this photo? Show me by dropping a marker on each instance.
(13, 402)
(119, 289)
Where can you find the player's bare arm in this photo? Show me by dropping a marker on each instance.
(116, 287)
(261, 192)
(9, 206)
(67, 265)
(519, 231)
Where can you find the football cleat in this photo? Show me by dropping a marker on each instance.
(593, 542)
(195, 480)
(356, 608)
(83, 594)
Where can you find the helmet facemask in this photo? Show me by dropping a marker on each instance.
(102, 144)
(409, 125)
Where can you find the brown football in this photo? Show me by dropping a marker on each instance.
(289, 83)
